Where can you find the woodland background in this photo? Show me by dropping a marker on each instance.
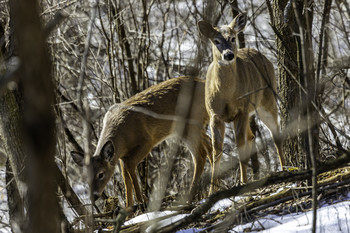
(63, 63)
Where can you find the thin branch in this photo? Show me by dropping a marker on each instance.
(325, 20)
(276, 178)
(51, 25)
(279, 198)
(11, 75)
(304, 23)
(76, 108)
(85, 55)
(69, 193)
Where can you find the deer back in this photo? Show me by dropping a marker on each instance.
(153, 113)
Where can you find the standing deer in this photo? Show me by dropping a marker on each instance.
(132, 128)
(239, 82)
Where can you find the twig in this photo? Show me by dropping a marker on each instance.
(325, 20)
(11, 74)
(69, 193)
(76, 108)
(275, 178)
(51, 25)
(279, 198)
(85, 55)
(307, 73)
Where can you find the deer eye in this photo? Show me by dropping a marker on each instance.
(100, 175)
(216, 41)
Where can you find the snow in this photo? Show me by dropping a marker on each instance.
(224, 204)
(149, 216)
(154, 215)
(189, 231)
(330, 218)
(221, 205)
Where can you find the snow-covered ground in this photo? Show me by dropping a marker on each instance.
(330, 218)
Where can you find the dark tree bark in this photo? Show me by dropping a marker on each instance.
(303, 12)
(14, 199)
(297, 85)
(288, 73)
(10, 132)
(304, 16)
(38, 118)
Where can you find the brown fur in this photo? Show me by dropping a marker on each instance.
(132, 128)
(237, 88)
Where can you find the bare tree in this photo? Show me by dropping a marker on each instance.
(128, 46)
(30, 142)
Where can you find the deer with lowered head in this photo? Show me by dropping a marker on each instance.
(132, 128)
(239, 83)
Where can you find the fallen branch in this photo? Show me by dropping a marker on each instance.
(275, 178)
(246, 210)
(334, 178)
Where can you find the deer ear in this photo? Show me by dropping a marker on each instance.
(239, 22)
(206, 29)
(78, 158)
(107, 151)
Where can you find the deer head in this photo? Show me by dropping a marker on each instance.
(223, 38)
(102, 167)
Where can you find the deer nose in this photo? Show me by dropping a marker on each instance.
(228, 56)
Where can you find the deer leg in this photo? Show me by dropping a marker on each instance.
(135, 182)
(199, 162)
(244, 137)
(131, 160)
(269, 118)
(254, 153)
(127, 183)
(199, 145)
(217, 127)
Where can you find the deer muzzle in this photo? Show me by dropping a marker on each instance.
(228, 55)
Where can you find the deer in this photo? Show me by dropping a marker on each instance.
(133, 127)
(239, 84)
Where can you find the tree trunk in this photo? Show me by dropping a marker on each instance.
(288, 74)
(304, 14)
(14, 199)
(38, 123)
(11, 136)
(10, 132)
(308, 99)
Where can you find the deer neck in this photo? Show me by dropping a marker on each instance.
(224, 71)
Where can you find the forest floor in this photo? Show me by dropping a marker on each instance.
(274, 208)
